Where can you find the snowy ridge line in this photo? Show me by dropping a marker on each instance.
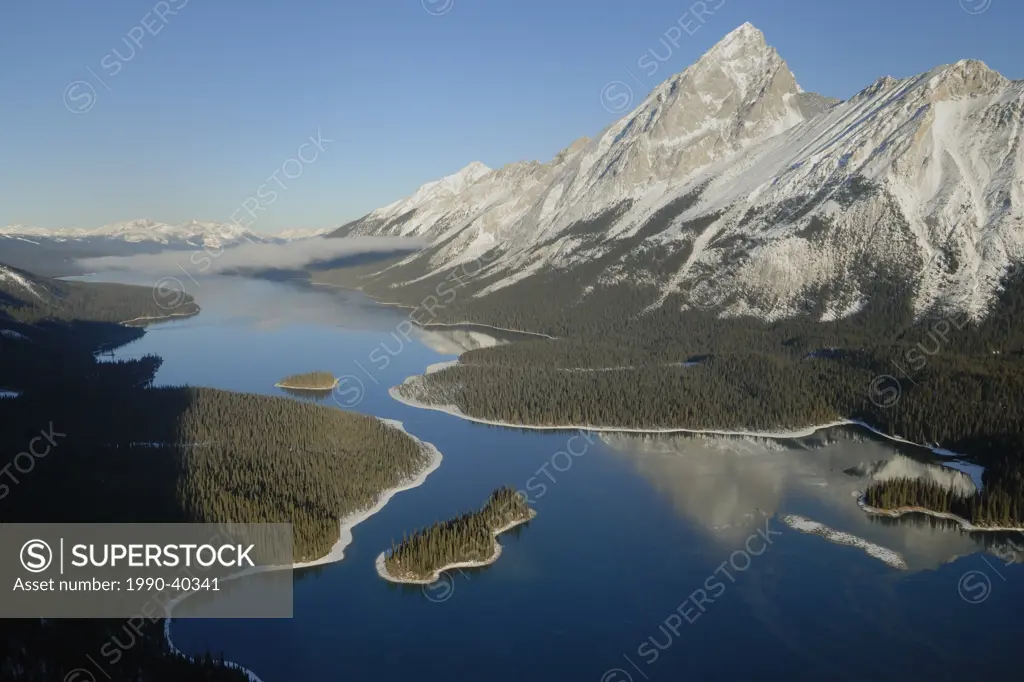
(908, 175)
(210, 234)
(337, 552)
(8, 275)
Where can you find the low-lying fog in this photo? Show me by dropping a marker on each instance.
(211, 261)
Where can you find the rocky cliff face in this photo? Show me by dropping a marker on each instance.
(758, 198)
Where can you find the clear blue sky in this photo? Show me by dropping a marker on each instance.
(209, 107)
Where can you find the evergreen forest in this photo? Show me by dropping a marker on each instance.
(931, 376)
(121, 450)
(311, 381)
(997, 505)
(469, 538)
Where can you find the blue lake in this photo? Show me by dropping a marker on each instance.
(600, 586)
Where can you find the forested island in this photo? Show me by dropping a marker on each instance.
(465, 541)
(310, 381)
(999, 506)
(124, 451)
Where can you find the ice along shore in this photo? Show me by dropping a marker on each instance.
(382, 570)
(337, 552)
(396, 393)
(947, 516)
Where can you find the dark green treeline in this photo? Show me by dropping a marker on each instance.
(1001, 504)
(466, 538)
(310, 380)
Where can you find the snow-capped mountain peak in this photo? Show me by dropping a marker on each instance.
(450, 184)
(772, 201)
(192, 233)
(741, 48)
(302, 233)
(146, 230)
(965, 78)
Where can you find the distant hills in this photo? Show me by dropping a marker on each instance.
(54, 252)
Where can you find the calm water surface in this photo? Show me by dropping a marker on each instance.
(627, 531)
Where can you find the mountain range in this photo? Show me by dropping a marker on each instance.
(193, 233)
(59, 252)
(729, 187)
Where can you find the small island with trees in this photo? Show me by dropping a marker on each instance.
(999, 507)
(469, 540)
(310, 381)
(131, 452)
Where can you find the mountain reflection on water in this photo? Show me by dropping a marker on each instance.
(724, 485)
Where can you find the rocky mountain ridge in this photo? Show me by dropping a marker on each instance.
(729, 187)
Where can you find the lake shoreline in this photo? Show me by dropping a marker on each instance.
(947, 516)
(309, 388)
(801, 432)
(382, 570)
(337, 552)
(427, 325)
(160, 318)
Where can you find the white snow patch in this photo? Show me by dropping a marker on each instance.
(337, 552)
(806, 525)
(8, 275)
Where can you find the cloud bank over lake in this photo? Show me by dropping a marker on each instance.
(208, 260)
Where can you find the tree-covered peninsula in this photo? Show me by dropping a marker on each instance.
(203, 455)
(999, 505)
(26, 298)
(310, 381)
(467, 540)
(626, 328)
(106, 446)
(171, 454)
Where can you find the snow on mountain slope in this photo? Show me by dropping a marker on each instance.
(738, 92)
(468, 223)
(921, 175)
(144, 230)
(17, 283)
(295, 235)
(437, 198)
(193, 233)
(796, 202)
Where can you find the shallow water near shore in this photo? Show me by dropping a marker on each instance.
(601, 585)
